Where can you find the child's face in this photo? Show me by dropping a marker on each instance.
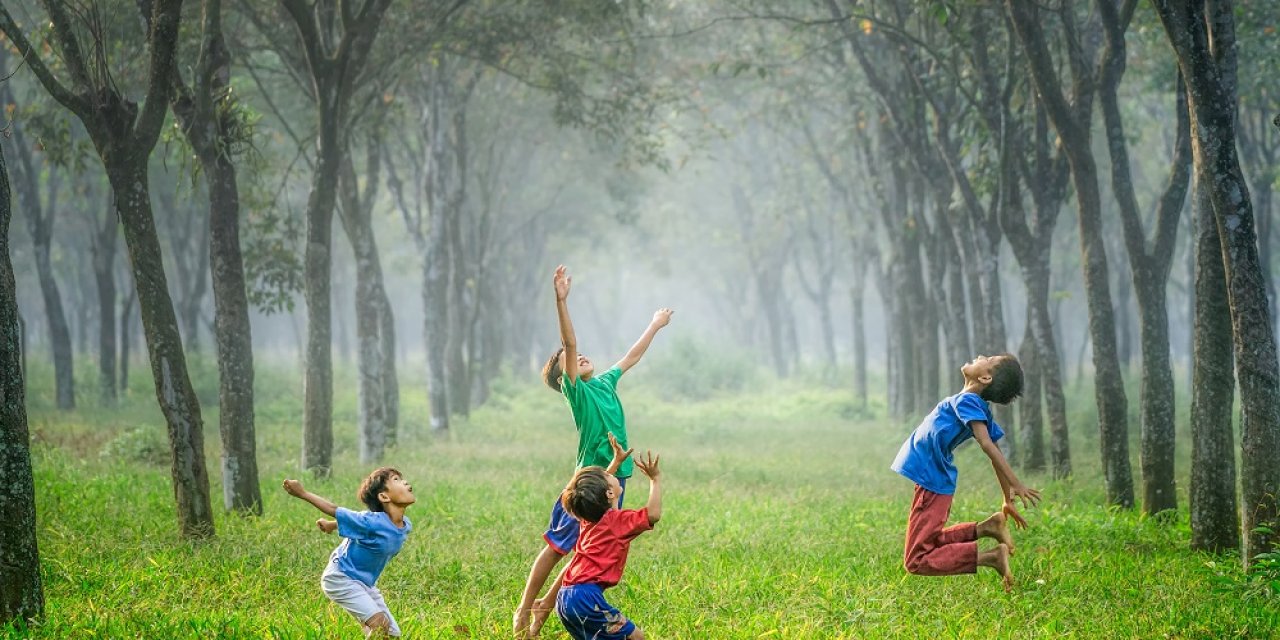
(398, 492)
(979, 369)
(585, 368)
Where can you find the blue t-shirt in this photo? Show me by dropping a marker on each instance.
(371, 540)
(926, 457)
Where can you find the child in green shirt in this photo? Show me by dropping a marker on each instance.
(598, 415)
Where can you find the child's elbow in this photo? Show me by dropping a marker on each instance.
(654, 517)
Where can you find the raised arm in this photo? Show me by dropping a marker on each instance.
(661, 318)
(568, 340)
(648, 464)
(295, 489)
(1010, 486)
(619, 456)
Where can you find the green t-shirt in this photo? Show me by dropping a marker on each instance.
(597, 412)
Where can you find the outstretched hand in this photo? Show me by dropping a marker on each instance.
(294, 488)
(1012, 513)
(662, 317)
(562, 282)
(619, 454)
(1029, 497)
(648, 463)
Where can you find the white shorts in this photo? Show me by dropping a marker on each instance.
(359, 599)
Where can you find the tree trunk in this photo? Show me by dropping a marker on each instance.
(857, 293)
(1204, 39)
(1030, 418)
(21, 593)
(1215, 519)
(1108, 383)
(104, 258)
(371, 314)
(40, 225)
(456, 363)
(317, 416)
(126, 330)
(390, 377)
(176, 396)
(234, 339)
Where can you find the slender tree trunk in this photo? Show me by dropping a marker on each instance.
(177, 398)
(1215, 519)
(40, 225)
(1030, 418)
(1203, 36)
(317, 416)
(21, 593)
(234, 339)
(104, 257)
(370, 296)
(1051, 377)
(390, 377)
(126, 330)
(1108, 383)
(857, 293)
(456, 361)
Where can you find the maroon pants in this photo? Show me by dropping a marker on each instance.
(933, 550)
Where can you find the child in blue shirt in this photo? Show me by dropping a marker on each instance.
(926, 459)
(369, 540)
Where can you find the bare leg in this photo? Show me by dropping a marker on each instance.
(547, 560)
(638, 634)
(997, 526)
(542, 607)
(379, 626)
(998, 559)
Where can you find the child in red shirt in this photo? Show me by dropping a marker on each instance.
(601, 552)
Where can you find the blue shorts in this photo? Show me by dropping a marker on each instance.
(562, 531)
(587, 616)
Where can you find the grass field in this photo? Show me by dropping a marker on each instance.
(781, 520)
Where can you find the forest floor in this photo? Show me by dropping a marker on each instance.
(781, 520)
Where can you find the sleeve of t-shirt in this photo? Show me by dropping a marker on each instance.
(352, 524)
(629, 523)
(611, 376)
(970, 407)
(572, 391)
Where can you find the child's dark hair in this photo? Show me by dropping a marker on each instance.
(587, 496)
(551, 372)
(1006, 380)
(373, 485)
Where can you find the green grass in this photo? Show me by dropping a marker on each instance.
(781, 520)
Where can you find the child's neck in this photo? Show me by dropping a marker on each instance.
(396, 513)
(973, 386)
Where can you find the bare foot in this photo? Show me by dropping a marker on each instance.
(997, 526)
(520, 624)
(1001, 563)
(540, 614)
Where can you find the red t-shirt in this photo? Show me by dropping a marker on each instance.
(601, 552)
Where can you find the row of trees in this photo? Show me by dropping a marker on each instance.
(902, 144)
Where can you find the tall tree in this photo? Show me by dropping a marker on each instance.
(124, 135)
(1149, 261)
(1073, 126)
(40, 217)
(214, 125)
(21, 594)
(1215, 518)
(336, 39)
(1203, 37)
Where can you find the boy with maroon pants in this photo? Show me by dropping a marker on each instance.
(932, 549)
